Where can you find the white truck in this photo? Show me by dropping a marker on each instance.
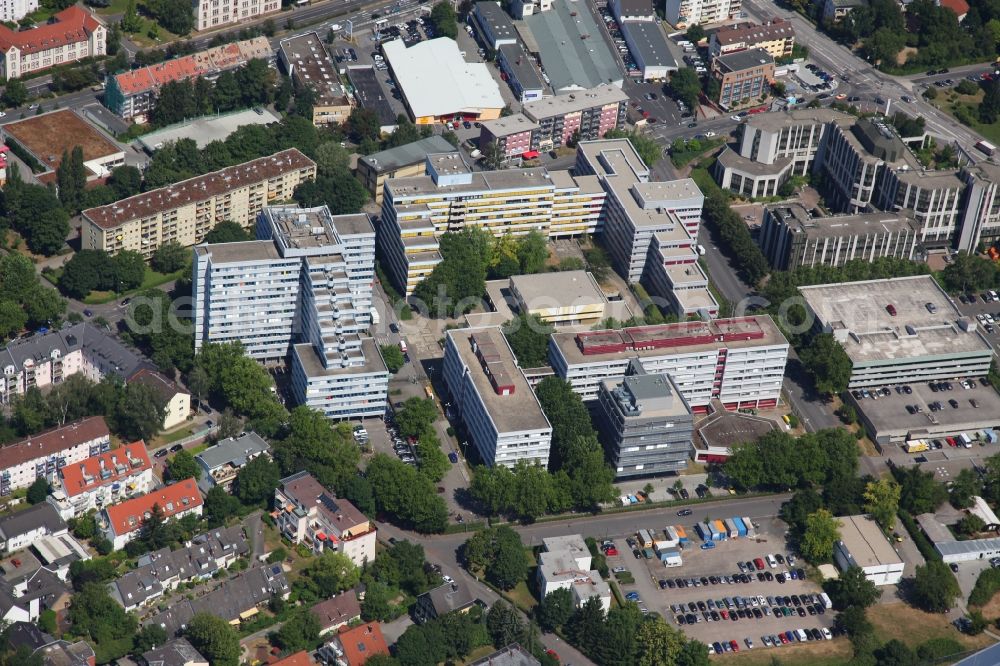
(375, 316)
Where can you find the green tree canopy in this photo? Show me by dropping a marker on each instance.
(934, 587)
(821, 532)
(499, 552)
(183, 466)
(214, 638)
(255, 483)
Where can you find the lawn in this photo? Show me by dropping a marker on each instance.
(898, 620)
(150, 280)
(823, 653)
(943, 102)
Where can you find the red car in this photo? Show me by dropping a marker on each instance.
(611, 552)
(783, 639)
(735, 646)
(552, 653)
(759, 563)
(724, 614)
(950, 440)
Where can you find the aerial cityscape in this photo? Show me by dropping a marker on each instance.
(499, 332)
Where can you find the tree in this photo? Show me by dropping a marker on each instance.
(126, 181)
(934, 587)
(314, 444)
(405, 493)
(255, 483)
(171, 257)
(797, 510)
(86, 271)
(685, 86)
(176, 16)
(528, 337)
(504, 624)
(71, 177)
(966, 485)
(38, 491)
(214, 638)
(433, 463)
(299, 632)
(199, 384)
(532, 252)
(882, 501)
(493, 156)
(586, 626)
(12, 319)
(555, 609)
(659, 644)
(853, 588)
(226, 232)
(139, 412)
(95, 615)
(339, 190)
(649, 150)
(445, 20)
(363, 124)
(183, 466)
(828, 364)
(15, 93)
(129, 270)
(821, 532)
(416, 416)
(220, 506)
(148, 637)
(332, 158)
(393, 358)
(853, 622)
(331, 573)
(130, 21)
(498, 551)
(919, 492)
(895, 653)
(971, 524)
(695, 34)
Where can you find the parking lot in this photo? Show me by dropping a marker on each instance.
(973, 306)
(702, 581)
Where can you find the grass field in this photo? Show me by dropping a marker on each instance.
(898, 621)
(822, 653)
(944, 102)
(150, 279)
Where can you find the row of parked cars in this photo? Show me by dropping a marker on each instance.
(619, 40)
(774, 640)
(986, 297)
(757, 607)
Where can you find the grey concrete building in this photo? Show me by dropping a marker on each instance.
(495, 26)
(791, 237)
(980, 221)
(645, 423)
(522, 75)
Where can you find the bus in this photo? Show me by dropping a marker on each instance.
(986, 147)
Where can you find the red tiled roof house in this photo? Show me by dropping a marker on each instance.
(73, 34)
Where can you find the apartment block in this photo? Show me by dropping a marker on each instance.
(684, 13)
(101, 480)
(740, 362)
(777, 37)
(304, 291)
(133, 94)
(399, 162)
(220, 464)
(743, 76)
(42, 455)
(121, 523)
(899, 331)
(500, 411)
(585, 114)
(416, 210)
(186, 211)
(980, 222)
(72, 34)
(646, 425)
(790, 237)
(307, 61)
(212, 14)
(307, 513)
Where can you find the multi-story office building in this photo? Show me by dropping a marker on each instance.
(772, 147)
(777, 37)
(416, 210)
(310, 515)
(42, 455)
(494, 26)
(101, 480)
(791, 237)
(186, 211)
(72, 34)
(740, 362)
(500, 411)
(305, 290)
(980, 221)
(684, 13)
(307, 61)
(645, 423)
(399, 162)
(743, 76)
(123, 522)
(221, 464)
(566, 298)
(899, 330)
(551, 122)
(212, 14)
(133, 94)
(521, 74)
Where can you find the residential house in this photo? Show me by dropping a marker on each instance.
(57, 553)
(21, 528)
(51, 651)
(25, 597)
(122, 523)
(353, 647)
(175, 652)
(307, 513)
(300, 658)
(336, 612)
(443, 599)
(512, 655)
(41, 455)
(177, 402)
(565, 564)
(102, 480)
(221, 463)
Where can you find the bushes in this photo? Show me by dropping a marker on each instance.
(923, 545)
(987, 585)
(735, 235)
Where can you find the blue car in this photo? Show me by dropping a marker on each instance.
(632, 596)
(708, 545)
(453, 457)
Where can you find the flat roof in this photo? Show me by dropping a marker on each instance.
(647, 396)
(741, 60)
(801, 116)
(311, 65)
(668, 339)
(481, 181)
(507, 125)
(889, 418)
(313, 367)
(800, 220)
(728, 429)
(731, 159)
(369, 93)
(571, 60)
(556, 290)
(651, 42)
(437, 81)
(258, 250)
(51, 134)
(857, 311)
(406, 155)
(198, 188)
(520, 63)
(678, 190)
(496, 19)
(863, 539)
(516, 411)
(206, 130)
(571, 102)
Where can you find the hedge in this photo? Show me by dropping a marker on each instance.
(923, 545)
(987, 585)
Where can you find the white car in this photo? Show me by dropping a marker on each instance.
(448, 579)
(2, 114)
(736, 118)
(709, 133)
(826, 634)
(748, 642)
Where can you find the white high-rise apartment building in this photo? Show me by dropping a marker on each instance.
(303, 290)
(684, 13)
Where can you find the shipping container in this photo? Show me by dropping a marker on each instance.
(751, 530)
(681, 533)
(671, 558)
(660, 546)
(720, 531)
(731, 528)
(991, 436)
(704, 532)
(740, 526)
(645, 539)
